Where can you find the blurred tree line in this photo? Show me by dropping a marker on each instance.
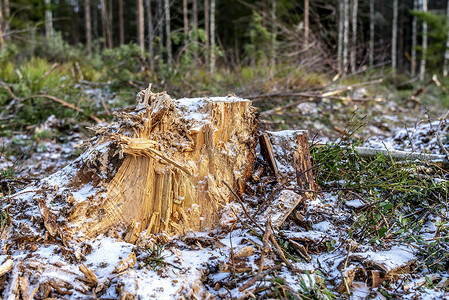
(339, 36)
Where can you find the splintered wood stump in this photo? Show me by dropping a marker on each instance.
(161, 167)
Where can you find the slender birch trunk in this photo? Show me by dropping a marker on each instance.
(121, 22)
(340, 35)
(212, 36)
(150, 31)
(273, 34)
(206, 28)
(422, 71)
(160, 25)
(446, 53)
(394, 37)
(106, 25)
(306, 23)
(88, 26)
(140, 26)
(1, 23)
(346, 35)
(414, 39)
(167, 30)
(195, 28)
(185, 13)
(48, 19)
(354, 35)
(371, 32)
(110, 17)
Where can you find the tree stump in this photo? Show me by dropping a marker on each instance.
(160, 168)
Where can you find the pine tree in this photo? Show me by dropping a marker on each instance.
(354, 35)
(422, 70)
(140, 26)
(121, 22)
(88, 26)
(414, 39)
(371, 32)
(394, 37)
(446, 52)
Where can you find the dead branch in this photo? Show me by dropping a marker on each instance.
(440, 160)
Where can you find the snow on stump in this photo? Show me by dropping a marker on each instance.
(160, 168)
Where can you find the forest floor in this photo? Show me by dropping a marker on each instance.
(334, 251)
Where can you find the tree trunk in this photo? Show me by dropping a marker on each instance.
(346, 35)
(6, 11)
(88, 26)
(1, 23)
(212, 36)
(48, 19)
(306, 23)
(340, 35)
(273, 34)
(110, 20)
(354, 35)
(206, 28)
(371, 32)
(95, 23)
(394, 37)
(160, 25)
(140, 26)
(185, 13)
(446, 53)
(195, 29)
(106, 25)
(167, 173)
(121, 22)
(150, 32)
(167, 30)
(414, 39)
(422, 71)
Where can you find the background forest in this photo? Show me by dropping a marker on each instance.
(193, 47)
(353, 73)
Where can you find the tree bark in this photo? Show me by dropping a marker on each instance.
(371, 32)
(167, 30)
(185, 13)
(150, 32)
(121, 22)
(48, 19)
(88, 26)
(414, 39)
(446, 53)
(212, 36)
(140, 26)
(346, 35)
(340, 35)
(306, 23)
(422, 71)
(354, 35)
(394, 37)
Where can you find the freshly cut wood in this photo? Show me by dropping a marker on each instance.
(290, 155)
(160, 168)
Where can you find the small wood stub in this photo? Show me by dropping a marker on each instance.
(305, 178)
(267, 153)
